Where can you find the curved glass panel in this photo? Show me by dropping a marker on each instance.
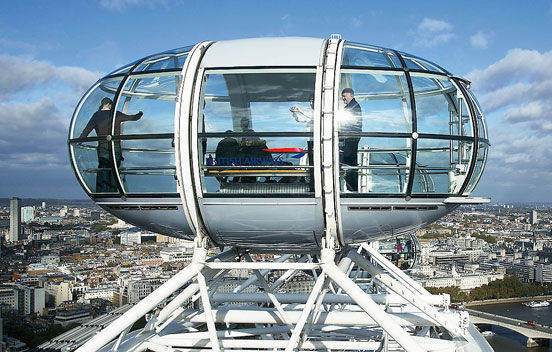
(155, 96)
(479, 166)
(481, 124)
(124, 69)
(382, 102)
(244, 142)
(361, 55)
(83, 124)
(416, 63)
(439, 107)
(93, 160)
(169, 60)
(148, 166)
(441, 166)
(382, 165)
(94, 165)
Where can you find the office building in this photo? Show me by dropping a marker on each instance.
(27, 214)
(533, 217)
(15, 220)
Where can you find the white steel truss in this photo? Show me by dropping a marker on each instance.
(352, 300)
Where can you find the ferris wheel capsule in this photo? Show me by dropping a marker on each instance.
(276, 142)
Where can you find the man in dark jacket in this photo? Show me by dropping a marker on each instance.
(351, 122)
(101, 123)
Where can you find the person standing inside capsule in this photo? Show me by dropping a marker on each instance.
(101, 123)
(350, 122)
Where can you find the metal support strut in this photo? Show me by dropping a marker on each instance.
(238, 301)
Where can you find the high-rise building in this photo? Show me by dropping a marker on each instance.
(533, 217)
(27, 214)
(43, 205)
(15, 220)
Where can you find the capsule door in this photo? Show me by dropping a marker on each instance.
(254, 153)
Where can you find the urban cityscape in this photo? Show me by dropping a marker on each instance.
(65, 263)
(275, 176)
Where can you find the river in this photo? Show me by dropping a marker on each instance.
(507, 340)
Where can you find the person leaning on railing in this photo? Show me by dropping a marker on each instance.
(101, 123)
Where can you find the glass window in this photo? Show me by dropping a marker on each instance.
(416, 63)
(93, 160)
(94, 165)
(383, 102)
(262, 102)
(479, 166)
(257, 165)
(441, 166)
(361, 55)
(148, 166)
(124, 69)
(438, 107)
(169, 60)
(245, 145)
(382, 165)
(482, 126)
(155, 96)
(90, 106)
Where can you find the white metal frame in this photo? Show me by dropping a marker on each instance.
(389, 312)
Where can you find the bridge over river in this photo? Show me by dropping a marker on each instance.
(536, 333)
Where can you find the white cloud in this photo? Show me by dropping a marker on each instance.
(356, 22)
(480, 40)
(518, 65)
(118, 5)
(515, 95)
(33, 135)
(37, 99)
(20, 73)
(431, 32)
(519, 87)
(18, 45)
(532, 111)
(287, 24)
(433, 26)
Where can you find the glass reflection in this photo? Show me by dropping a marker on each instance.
(479, 166)
(416, 63)
(438, 107)
(244, 106)
(92, 103)
(482, 126)
(141, 180)
(94, 160)
(86, 162)
(260, 102)
(384, 100)
(155, 95)
(169, 60)
(383, 165)
(441, 166)
(361, 55)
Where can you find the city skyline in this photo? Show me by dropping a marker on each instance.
(49, 56)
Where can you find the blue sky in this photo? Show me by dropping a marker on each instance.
(52, 51)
